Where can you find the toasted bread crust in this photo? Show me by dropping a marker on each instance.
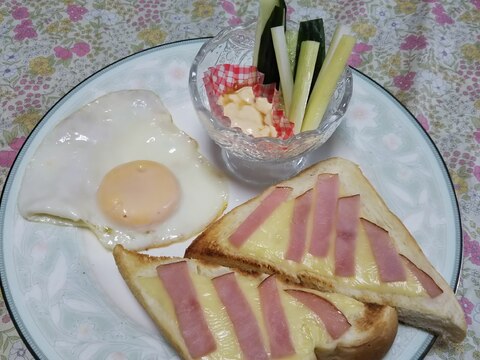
(128, 264)
(379, 344)
(373, 331)
(442, 315)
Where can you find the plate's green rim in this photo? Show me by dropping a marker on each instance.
(16, 318)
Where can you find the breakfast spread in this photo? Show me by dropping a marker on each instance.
(315, 266)
(326, 257)
(328, 229)
(212, 312)
(120, 167)
(291, 62)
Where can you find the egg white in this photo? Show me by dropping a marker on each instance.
(62, 178)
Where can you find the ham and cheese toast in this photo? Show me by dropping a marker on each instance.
(211, 312)
(328, 229)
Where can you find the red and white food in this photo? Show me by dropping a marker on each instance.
(241, 315)
(275, 320)
(190, 316)
(259, 215)
(324, 210)
(324, 223)
(335, 322)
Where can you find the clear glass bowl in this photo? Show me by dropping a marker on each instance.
(260, 160)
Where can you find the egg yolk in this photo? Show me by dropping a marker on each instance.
(139, 193)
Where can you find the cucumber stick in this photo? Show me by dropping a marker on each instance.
(283, 62)
(326, 83)
(304, 76)
(312, 30)
(265, 8)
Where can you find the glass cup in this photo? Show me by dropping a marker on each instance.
(258, 160)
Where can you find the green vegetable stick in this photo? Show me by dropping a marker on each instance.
(312, 30)
(326, 83)
(265, 8)
(281, 54)
(267, 62)
(291, 36)
(301, 89)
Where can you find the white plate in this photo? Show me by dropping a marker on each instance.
(62, 288)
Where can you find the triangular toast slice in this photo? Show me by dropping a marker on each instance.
(212, 312)
(328, 229)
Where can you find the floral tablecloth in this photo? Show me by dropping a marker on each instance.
(426, 53)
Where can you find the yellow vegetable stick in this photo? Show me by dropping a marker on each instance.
(326, 83)
(340, 30)
(303, 81)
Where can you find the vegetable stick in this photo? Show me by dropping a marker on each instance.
(326, 83)
(340, 30)
(301, 89)
(265, 8)
(281, 54)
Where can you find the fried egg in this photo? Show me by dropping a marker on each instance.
(120, 167)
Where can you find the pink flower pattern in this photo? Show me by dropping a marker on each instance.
(62, 53)
(414, 42)
(424, 122)
(440, 16)
(81, 48)
(25, 30)
(476, 172)
(228, 7)
(7, 157)
(472, 249)
(361, 47)
(234, 20)
(404, 82)
(76, 12)
(355, 59)
(20, 13)
(6, 318)
(467, 307)
(476, 135)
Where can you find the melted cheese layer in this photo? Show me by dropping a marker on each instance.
(306, 329)
(270, 243)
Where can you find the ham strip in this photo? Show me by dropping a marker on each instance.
(430, 286)
(191, 319)
(241, 315)
(348, 210)
(298, 227)
(325, 203)
(390, 266)
(259, 215)
(335, 322)
(275, 319)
